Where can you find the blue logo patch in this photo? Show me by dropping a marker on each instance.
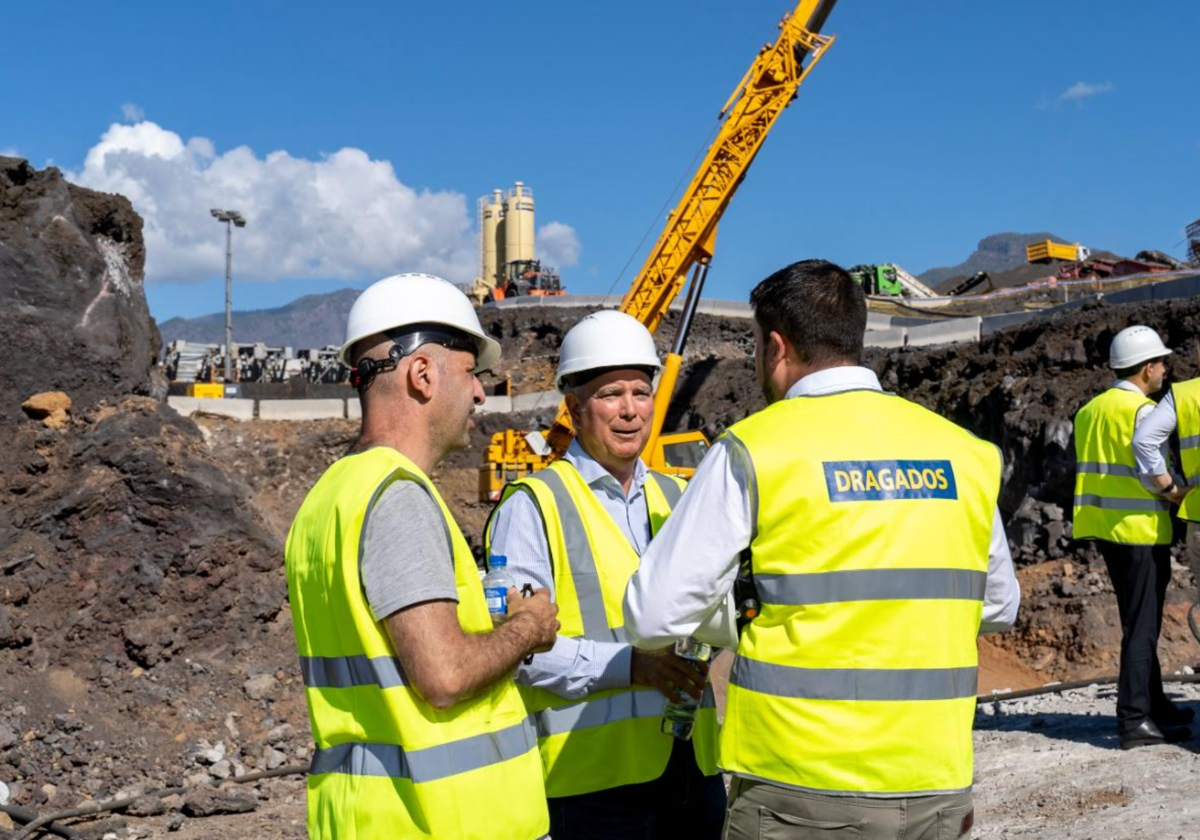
(876, 481)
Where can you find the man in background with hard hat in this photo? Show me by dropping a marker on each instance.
(1128, 515)
(878, 555)
(577, 528)
(420, 730)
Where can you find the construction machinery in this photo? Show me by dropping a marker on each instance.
(508, 267)
(976, 279)
(889, 280)
(685, 246)
(1047, 251)
(193, 362)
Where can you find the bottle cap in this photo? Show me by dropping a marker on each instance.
(497, 560)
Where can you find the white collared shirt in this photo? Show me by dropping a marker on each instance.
(692, 562)
(573, 668)
(1153, 426)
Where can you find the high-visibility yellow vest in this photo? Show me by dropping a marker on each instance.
(870, 557)
(1186, 396)
(387, 763)
(611, 737)
(1110, 502)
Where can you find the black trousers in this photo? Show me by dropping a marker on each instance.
(1139, 575)
(682, 802)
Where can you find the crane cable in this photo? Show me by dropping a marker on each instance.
(690, 168)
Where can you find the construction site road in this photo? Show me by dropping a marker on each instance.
(1051, 767)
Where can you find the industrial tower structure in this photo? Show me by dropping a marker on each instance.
(508, 265)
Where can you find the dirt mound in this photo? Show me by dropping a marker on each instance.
(140, 589)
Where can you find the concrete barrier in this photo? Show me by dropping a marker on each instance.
(718, 308)
(536, 401)
(301, 409)
(879, 321)
(1184, 287)
(354, 408)
(946, 332)
(233, 409)
(496, 405)
(895, 337)
(1138, 294)
(995, 323)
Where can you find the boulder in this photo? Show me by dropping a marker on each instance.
(71, 273)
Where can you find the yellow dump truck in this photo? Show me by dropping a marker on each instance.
(1047, 251)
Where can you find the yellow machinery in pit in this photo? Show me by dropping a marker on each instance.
(686, 245)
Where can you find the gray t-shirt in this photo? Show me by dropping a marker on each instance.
(406, 554)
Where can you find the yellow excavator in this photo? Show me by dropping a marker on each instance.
(686, 245)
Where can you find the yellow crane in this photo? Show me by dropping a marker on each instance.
(686, 245)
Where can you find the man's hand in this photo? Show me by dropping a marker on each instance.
(669, 673)
(1176, 497)
(538, 617)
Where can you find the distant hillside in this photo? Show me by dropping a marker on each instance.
(996, 253)
(310, 321)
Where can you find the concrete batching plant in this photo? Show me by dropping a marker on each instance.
(509, 266)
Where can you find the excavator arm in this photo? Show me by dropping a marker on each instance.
(687, 241)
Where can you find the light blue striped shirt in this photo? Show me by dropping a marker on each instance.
(573, 668)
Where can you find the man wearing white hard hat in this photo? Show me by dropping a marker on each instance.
(419, 729)
(579, 527)
(1128, 515)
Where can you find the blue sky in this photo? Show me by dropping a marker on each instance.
(927, 126)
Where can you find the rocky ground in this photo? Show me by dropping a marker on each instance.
(1051, 767)
(145, 639)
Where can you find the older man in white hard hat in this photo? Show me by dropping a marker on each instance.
(1128, 515)
(579, 527)
(420, 729)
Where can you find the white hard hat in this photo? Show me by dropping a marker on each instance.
(408, 299)
(1133, 346)
(606, 339)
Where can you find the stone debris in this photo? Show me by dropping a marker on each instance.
(207, 801)
(51, 407)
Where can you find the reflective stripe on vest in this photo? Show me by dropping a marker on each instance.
(387, 764)
(582, 563)
(871, 585)
(612, 737)
(429, 764)
(870, 557)
(1186, 396)
(1110, 502)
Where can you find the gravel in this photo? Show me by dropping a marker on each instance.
(1052, 767)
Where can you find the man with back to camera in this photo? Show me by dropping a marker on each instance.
(878, 555)
(420, 730)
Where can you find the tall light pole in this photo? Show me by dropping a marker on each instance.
(230, 218)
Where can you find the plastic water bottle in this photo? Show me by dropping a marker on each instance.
(496, 583)
(679, 716)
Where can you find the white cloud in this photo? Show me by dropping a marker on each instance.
(343, 216)
(1082, 90)
(558, 244)
(133, 112)
(10, 151)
